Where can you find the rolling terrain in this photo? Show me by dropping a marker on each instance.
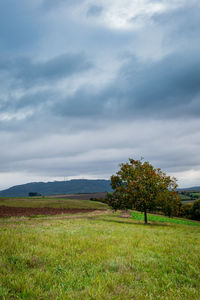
(47, 206)
(58, 188)
(98, 257)
(85, 251)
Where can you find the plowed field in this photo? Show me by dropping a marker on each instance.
(6, 211)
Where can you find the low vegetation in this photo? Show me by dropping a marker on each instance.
(196, 195)
(189, 196)
(52, 202)
(162, 219)
(191, 210)
(100, 257)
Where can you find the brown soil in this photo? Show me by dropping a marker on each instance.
(79, 196)
(6, 211)
(125, 214)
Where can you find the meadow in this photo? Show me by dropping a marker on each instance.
(196, 194)
(102, 256)
(51, 202)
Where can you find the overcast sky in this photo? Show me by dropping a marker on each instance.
(86, 84)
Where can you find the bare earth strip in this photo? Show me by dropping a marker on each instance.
(81, 196)
(6, 211)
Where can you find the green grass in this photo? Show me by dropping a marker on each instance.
(102, 257)
(163, 219)
(184, 197)
(195, 194)
(51, 202)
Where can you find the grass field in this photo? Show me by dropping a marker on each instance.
(163, 219)
(184, 197)
(100, 257)
(196, 194)
(51, 202)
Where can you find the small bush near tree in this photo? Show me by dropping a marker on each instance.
(138, 185)
(196, 210)
(191, 210)
(34, 194)
(186, 210)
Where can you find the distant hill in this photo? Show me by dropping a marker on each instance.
(191, 189)
(74, 186)
(58, 187)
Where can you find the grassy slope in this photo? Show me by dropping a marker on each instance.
(50, 202)
(163, 219)
(104, 257)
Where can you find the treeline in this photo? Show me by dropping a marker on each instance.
(188, 195)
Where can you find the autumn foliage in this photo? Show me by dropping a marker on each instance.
(138, 185)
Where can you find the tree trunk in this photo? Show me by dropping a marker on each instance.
(145, 215)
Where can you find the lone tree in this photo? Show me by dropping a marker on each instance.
(138, 185)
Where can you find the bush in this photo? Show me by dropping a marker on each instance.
(196, 210)
(118, 201)
(98, 199)
(186, 210)
(191, 210)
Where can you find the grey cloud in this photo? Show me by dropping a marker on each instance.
(183, 25)
(37, 101)
(23, 73)
(81, 104)
(52, 4)
(94, 10)
(20, 26)
(169, 88)
(100, 151)
(28, 71)
(150, 108)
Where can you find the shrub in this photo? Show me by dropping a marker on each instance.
(191, 210)
(195, 211)
(186, 210)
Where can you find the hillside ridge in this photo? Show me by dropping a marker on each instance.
(58, 187)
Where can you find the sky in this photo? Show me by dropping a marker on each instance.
(87, 84)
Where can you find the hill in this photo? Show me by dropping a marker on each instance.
(191, 189)
(58, 187)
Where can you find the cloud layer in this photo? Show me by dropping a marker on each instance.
(84, 85)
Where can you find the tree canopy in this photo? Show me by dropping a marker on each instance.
(138, 185)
